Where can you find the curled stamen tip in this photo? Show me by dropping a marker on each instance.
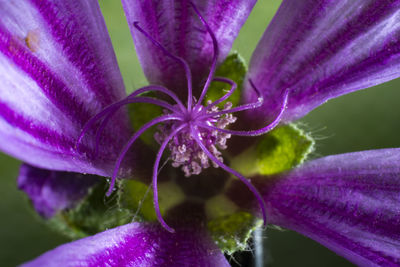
(264, 220)
(286, 98)
(78, 142)
(163, 223)
(169, 229)
(255, 88)
(287, 91)
(263, 210)
(109, 191)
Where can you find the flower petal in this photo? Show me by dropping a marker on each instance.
(349, 203)
(176, 26)
(137, 244)
(52, 191)
(57, 69)
(323, 49)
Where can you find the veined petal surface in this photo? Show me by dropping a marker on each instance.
(137, 244)
(53, 191)
(321, 49)
(350, 203)
(176, 26)
(57, 69)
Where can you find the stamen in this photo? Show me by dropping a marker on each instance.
(132, 140)
(185, 153)
(197, 136)
(178, 59)
(260, 101)
(111, 109)
(155, 175)
(158, 88)
(261, 131)
(215, 57)
(227, 95)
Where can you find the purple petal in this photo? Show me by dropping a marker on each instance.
(57, 70)
(176, 26)
(137, 245)
(350, 203)
(52, 191)
(323, 49)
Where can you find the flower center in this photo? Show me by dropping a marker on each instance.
(184, 150)
(194, 134)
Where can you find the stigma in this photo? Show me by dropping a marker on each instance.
(185, 153)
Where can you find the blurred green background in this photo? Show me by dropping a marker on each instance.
(363, 120)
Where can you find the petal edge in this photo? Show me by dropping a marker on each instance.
(349, 203)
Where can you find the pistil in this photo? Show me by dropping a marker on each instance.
(184, 150)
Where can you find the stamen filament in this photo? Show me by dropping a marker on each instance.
(196, 135)
(158, 88)
(154, 101)
(178, 59)
(155, 176)
(140, 99)
(121, 103)
(261, 131)
(132, 140)
(215, 57)
(244, 107)
(111, 109)
(227, 95)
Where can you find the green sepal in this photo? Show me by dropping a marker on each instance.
(141, 113)
(138, 197)
(281, 149)
(96, 213)
(232, 232)
(234, 68)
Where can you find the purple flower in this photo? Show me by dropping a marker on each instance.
(61, 112)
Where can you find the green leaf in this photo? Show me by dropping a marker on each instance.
(280, 150)
(138, 197)
(96, 213)
(232, 232)
(234, 68)
(131, 201)
(141, 113)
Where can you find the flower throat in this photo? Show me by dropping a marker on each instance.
(195, 133)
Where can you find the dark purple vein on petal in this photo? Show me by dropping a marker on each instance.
(346, 74)
(182, 28)
(368, 18)
(297, 33)
(352, 214)
(378, 222)
(368, 181)
(55, 90)
(39, 132)
(321, 230)
(75, 46)
(128, 246)
(156, 19)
